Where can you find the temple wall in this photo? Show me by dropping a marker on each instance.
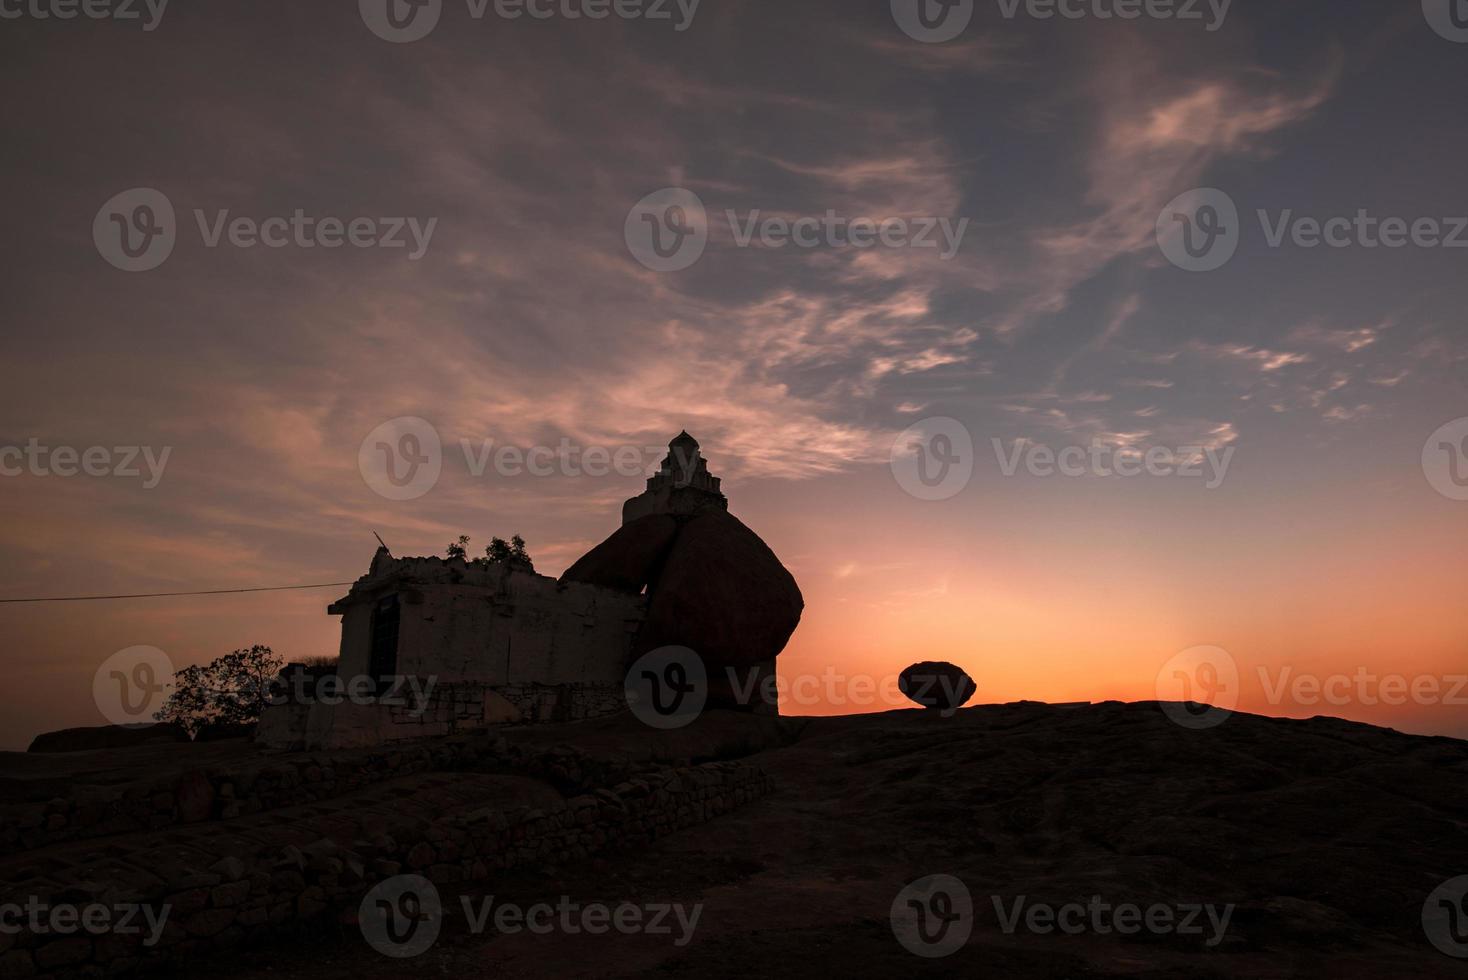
(481, 645)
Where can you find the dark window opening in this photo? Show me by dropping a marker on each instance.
(382, 662)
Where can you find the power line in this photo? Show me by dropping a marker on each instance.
(163, 595)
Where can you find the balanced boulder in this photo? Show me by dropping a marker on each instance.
(939, 685)
(723, 593)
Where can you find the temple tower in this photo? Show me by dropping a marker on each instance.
(681, 487)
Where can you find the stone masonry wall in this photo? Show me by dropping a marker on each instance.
(243, 880)
(272, 781)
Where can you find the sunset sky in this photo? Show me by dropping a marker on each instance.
(1326, 549)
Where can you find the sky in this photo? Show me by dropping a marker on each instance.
(1107, 285)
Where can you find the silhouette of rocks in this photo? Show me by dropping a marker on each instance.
(713, 586)
(105, 737)
(937, 684)
(629, 559)
(723, 593)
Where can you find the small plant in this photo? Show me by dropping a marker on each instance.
(499, 552)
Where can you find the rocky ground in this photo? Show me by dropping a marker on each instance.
(1325, 837)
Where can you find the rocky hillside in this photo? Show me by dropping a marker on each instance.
(1261, 848)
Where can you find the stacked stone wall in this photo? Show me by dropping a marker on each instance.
(247, 879)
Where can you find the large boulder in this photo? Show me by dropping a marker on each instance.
(629, 559)
(939, 685)
(724, 594)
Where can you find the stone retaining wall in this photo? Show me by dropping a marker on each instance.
(225, 884)
(275, 781)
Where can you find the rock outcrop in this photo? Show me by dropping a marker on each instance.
(712, 584)
(723, 593)
(105, 737)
